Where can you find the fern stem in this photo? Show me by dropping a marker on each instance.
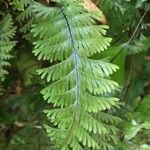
(76, 61)
(132, 36)
(77, 80)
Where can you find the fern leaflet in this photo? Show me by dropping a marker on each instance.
(7, 32)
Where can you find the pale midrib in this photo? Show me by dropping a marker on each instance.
(76, 61)
(77, 80)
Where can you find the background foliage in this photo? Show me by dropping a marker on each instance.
(21, 104)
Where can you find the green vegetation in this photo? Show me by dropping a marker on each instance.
(74, 75)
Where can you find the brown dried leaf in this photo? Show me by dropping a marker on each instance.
(91, 6)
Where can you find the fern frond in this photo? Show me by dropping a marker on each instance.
(7, 31)
(27, 13)
(139, 45)
(20, 4)
(26, 17)
(68, 36)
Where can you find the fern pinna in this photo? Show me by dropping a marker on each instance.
(77, 85)
(7, 31)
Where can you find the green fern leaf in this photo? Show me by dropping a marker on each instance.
(68, 36)
(138, 45)
(20, 4)
(26, 17)
(7, 31)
